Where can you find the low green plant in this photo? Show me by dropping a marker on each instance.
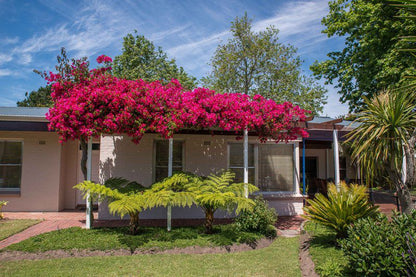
(331, 268)
(379, 247)
(341, 208)
(124, 197)
(259, 219)
(220, 192)
(2, 204)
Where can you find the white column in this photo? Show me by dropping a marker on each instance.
(170, 164)
(245, 154)
(296, 169)
(88, 221)
(404, 173)
(336, 158)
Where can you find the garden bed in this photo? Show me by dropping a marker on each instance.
(111, 241)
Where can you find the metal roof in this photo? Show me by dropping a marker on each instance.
(33, 112)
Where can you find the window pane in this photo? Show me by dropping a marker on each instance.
(10, 152)
(237, 155)
(239, 175)
(162, 158)
(276, 167)
(10, 176)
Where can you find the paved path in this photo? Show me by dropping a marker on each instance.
(51, 221)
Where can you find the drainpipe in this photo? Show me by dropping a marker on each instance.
(88, 221)
(336, 158)
(245, 154)
(170, 163)
(303, 166)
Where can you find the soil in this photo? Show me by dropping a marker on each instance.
(54, 254)
(307, 266)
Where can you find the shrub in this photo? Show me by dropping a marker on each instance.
(377, 247)
(2, 203)
(331, 268)
(341, 208)
(258, 219)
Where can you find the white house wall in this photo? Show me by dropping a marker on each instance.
(203, 154)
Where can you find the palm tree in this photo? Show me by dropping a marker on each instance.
(387, 136)
(124, 198)
(219, 192)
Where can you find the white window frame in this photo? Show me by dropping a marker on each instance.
(296, 173)
(14, 190)
(154, 156)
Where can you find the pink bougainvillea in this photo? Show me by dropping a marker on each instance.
(93, 102)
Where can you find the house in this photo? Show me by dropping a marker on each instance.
(38, 172)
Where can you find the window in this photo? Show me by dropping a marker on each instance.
(270, 166)
(162, 158)
(276, 167)
(10, 166)
(236, 162)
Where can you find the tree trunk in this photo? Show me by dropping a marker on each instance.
(134, 223)
(403, 192)
(209, 220)
(84, 157)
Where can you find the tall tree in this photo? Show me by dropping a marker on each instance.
(371, 59)
(37, 98)
(257, 63)
(141, 59)
(386, 135)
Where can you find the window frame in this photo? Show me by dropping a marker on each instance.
(154, 156)
(12, 191)
(295, 158)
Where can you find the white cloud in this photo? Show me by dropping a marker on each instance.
(5, 72)
(8, 40)
(5, 58)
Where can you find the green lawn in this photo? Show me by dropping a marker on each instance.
(324, 252)
(10, 227)
(279, 259)
(117, 238)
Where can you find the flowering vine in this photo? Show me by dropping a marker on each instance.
(88, 103)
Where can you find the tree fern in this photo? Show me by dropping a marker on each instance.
(219, 192)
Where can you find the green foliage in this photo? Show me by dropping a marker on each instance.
(378, 247)
(219, 192)
(124, 197)
(172, 191)
(371, 59)
(387, 127)
(37, 98)
(142, 60)
(331, 268)
(340, 209)
(257, 63)
(2, 204)
(259, 219)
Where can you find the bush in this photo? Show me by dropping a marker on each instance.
(258, 219)
(377, 247)
(2, 203)
(331, 268)
(341, 208)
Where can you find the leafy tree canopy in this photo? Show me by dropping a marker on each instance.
(372, 58)
(37, 98)
(141, 59)
(257, 63)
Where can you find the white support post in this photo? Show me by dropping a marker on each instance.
(336, 158)
(245, 154)
(404, 173)
(170, 164)
(88, 221)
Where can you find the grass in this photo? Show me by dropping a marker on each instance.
(117, 238)
(279, 259)
(10, 227)
(325, 254)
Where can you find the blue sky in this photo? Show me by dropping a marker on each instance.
(32, 33)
